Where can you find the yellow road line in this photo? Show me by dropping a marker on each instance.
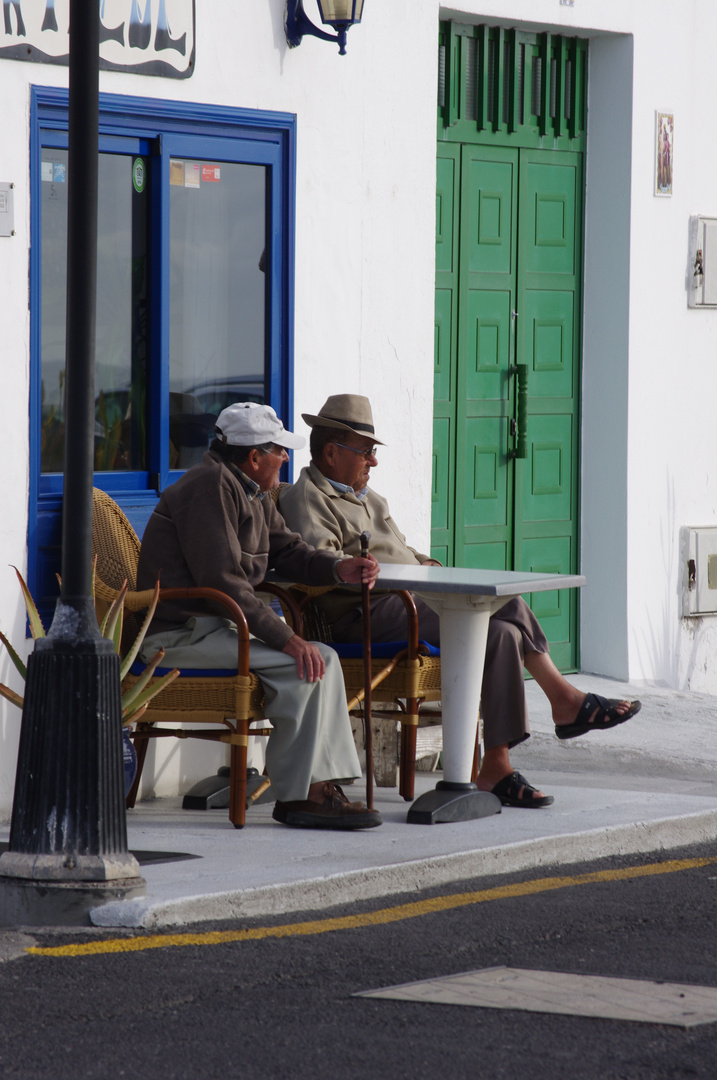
(370, 918)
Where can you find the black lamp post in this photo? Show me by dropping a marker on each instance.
(340, 14)
(68, 818)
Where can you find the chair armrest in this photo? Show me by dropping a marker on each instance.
(139, 601)
(235, 613)
(412, 618)
(308, 594)
(287, 601)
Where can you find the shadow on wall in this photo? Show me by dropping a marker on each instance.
(172, 766)
(658, 645)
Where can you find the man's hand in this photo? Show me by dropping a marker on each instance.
(309, 661)
(431, 562)
(358, 571)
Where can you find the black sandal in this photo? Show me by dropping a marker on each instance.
(514, 790)
(606, 716)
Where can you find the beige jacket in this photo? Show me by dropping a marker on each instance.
(333, 521)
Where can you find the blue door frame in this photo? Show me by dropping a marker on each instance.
(159, 130)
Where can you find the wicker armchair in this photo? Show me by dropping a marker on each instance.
(404, 674)
(231, 699)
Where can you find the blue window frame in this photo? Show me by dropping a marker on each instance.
(172, 176)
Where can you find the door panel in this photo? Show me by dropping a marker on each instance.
(442, 345)
(488, 346)
(548, 223)
(489, 208)
(445, 188)
(485, 474)
(552, 609)
(548, 343)
(441, 456)
(547, 470)
(444, 369)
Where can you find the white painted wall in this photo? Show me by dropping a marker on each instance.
(14, 381)
(365, 203)
(673, 380)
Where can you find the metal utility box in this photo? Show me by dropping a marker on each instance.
(699, 571)
(702, 273)
(7, 210)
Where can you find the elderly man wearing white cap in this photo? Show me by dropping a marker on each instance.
(214, 528)
(331, 504)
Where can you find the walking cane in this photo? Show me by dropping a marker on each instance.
(368, 732)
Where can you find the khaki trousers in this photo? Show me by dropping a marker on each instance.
(312, 737)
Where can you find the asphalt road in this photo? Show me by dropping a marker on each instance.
(281, 1007)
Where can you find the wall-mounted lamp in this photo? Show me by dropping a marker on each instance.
(341, 14)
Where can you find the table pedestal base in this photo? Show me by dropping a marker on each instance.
(452, 802)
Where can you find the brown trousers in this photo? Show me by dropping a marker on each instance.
(513, 632)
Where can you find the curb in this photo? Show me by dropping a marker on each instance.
(319, 894)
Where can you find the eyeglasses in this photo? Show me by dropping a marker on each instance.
(371, 452)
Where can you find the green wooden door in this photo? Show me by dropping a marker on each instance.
(508, 293)
(512, 118)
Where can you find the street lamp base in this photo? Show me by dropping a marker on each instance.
(70, 868)
(54, 903)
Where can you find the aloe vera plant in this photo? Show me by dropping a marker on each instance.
(136, 699)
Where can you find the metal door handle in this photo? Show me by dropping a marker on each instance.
(521, 446)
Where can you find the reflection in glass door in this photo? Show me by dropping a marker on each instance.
(122, 311)
(217, 304)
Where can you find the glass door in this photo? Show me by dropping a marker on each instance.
(122, 321)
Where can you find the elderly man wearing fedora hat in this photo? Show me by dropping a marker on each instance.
(214, 528)
(331, 504)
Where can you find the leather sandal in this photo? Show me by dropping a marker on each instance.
(514, 790)
(607, 716)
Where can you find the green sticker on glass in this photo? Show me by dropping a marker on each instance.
(139, 175)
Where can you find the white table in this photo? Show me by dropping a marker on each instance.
(465, 600)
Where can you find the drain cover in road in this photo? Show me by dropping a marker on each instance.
(570, 995)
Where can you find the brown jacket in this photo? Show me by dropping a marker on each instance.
(333, 521)
(206, 531)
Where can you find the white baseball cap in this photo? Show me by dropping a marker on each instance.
(247, 423)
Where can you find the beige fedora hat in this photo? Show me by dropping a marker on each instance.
(346, 412)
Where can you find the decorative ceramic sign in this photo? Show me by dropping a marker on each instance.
(150, 37)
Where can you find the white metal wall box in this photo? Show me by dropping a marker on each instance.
(702, 271)
(699, 571)
(7, 211)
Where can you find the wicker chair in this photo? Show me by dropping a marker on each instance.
(231, 699)
(404, 675)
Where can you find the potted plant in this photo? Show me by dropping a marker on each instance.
(138, 696)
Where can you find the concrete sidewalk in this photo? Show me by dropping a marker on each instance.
(648, 785)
